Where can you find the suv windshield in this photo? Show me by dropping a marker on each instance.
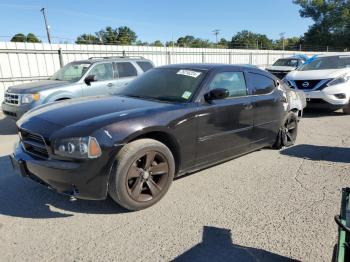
(286, 62)
(71, 72)
(165, 84)
(327, 62)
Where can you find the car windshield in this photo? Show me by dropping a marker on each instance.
(71, 72)
(286, 62)
(165, 84)
(327, 62)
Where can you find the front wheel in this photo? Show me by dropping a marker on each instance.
(142, 174)
(346, 109)
(287, 133)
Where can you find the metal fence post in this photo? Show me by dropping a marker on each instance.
(124, 53)
(251, 58)
(168, 57)
(60, 57)
(203, 57)
(230, 54)
(267, 59)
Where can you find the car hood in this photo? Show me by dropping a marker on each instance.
(281, 68)
(92, 111)
(37, 86)
(316, 74)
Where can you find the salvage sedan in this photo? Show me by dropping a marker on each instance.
(171, 121)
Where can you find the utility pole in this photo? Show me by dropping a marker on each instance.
(46, 25)
(216, 33)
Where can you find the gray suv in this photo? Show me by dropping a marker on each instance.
(95, 76)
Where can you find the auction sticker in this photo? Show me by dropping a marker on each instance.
(186, 95)
(190, 73)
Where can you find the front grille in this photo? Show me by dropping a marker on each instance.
(306, 84)
(34, 144)
(8, 113)
(12, 99)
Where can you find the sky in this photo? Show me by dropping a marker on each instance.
(152, 19)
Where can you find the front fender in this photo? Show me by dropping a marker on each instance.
(59, 95)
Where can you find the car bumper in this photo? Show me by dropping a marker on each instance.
(84, 179)
(14, 111)
(327, 98)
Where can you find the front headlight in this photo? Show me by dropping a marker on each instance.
(29, 98)
(339, 80)
(78, 147)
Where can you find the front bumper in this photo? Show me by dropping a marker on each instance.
(85, 179)
(15, 111)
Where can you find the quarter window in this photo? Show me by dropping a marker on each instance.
(102, 72)
(126, 70)
(234, 82)
(261, 84)
(145, 66)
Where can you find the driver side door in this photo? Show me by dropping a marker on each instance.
(225, 125)
(104, 80)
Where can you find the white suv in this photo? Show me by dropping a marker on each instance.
(325, 81)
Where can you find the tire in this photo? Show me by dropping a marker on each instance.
(143, 172)
(346, 110)
(287, 133)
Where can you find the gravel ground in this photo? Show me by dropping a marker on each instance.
(265, 206)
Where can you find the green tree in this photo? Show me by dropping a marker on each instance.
(19, 38)
(31, 38)
(331, 22)
(170, 43)
(86, 39)
(157, 43)
(140, 43)
(223, 43)
(247, 39)
(291, 43)
(191, 41)
(125, 36)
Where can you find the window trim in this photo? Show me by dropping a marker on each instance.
(137, 62)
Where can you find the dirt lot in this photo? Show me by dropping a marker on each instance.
(265, 206)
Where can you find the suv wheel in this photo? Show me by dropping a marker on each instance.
(288, 131)
(143, 172)
(346, 109)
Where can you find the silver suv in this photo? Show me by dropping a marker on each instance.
(95, 76)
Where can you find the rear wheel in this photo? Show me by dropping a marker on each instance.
(288, 131)
(142, 174)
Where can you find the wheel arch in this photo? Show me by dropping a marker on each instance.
(168, 140)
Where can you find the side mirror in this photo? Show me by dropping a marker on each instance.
(217, 93)
(89, 79)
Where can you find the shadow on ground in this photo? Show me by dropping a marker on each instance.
(319, 153)
(21, 197)
(7, 126)
(316, 113)
(217, 245)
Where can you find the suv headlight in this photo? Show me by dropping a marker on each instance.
(339, 80)
(29, 98)
(78, 147)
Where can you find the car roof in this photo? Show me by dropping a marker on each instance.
(92, 60)
(335, 54)
(209, 67)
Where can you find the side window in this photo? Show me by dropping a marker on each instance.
(126, 69)
(102, 72)
(234, 82)
(261, 84)
(145, 66)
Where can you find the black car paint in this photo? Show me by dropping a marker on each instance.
(199, 133)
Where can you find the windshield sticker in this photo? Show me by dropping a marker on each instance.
(190, 73)
(186, 95)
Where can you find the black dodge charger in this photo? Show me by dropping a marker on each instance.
(171, 121)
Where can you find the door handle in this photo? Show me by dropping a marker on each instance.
(109, 84)
(248, 106)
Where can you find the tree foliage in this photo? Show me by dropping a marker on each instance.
(30, 38)
(247, 39)
(331, 22)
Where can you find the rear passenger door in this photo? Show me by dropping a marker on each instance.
(268, 106)
(126, 72)
(104, 80)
